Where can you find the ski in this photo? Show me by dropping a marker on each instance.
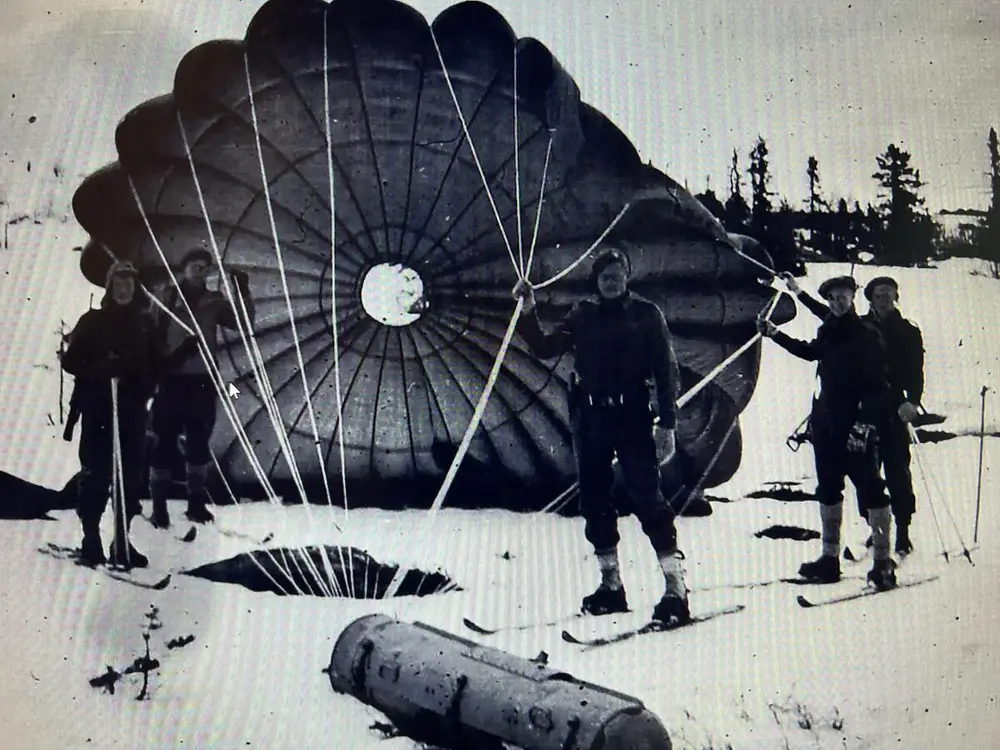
(650, 627)
(476, 628)
(133, 577)
(868, 591)
(800, 581)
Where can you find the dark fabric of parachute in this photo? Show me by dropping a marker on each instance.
(407, 190)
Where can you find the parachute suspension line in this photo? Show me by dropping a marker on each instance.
(223, 278)
(217, 255)
(236, 502)
(754, 261)
(274, 414)
(517, 177)
(281, 269)
(205, 352)
(564, 497)
(538, 213)
(587, 252)
(463, 448)
(475, 155)
(208, 363)
(333, 306)
(317, 443)
(711, 465)
(255, 464)
(477, 415)
(695, 389)
(717, 370)
(333, 266)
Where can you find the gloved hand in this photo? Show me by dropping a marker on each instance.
(907, 411)
(790, 283)
(860, 437)
(766, 328)
(524, 289)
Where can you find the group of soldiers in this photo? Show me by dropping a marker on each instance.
(871, 380)
(137, 366)
(870, 373)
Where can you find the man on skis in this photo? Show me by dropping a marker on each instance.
(905, 355)
(185, 401)
(847, 416)
(111, 356)
(619, 343)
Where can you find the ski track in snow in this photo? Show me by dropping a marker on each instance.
(914, 669)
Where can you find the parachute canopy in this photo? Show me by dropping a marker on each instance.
(338, 144)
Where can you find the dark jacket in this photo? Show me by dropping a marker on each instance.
(904, 346)
(619, 347)
(178, 351)
(852, 371)
(110, 342)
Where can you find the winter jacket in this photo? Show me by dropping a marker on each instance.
(852, 371)
(114, 341)
(179, 352)
(619, 347)
(904, 347)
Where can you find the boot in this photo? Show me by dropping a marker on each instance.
(122, 554)
(673, 609)
(824, 569)
(903, 544)
(159, 487)
(605, 601)
(91, 549)
(197, 474)
(610, 595)
(883, 575)
(198, 512)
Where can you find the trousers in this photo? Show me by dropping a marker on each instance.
(599, 434)
(184, 404)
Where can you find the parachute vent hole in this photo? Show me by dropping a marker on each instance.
(393, 294)
(346, 571)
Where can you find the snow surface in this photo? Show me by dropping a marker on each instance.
(914, 668)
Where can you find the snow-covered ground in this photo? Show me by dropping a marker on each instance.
(914, 668)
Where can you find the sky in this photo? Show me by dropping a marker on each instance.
(687, 82)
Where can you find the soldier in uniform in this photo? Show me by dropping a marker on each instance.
(847, 416)
(619, 343)
(905, 355)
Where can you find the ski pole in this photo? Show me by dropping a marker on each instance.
(947, 507)
(927, 488)
(979, 482)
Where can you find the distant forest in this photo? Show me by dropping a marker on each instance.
(896, 231)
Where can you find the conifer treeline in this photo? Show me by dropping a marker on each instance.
(896, 230)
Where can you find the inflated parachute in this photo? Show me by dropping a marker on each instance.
(340, 140)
